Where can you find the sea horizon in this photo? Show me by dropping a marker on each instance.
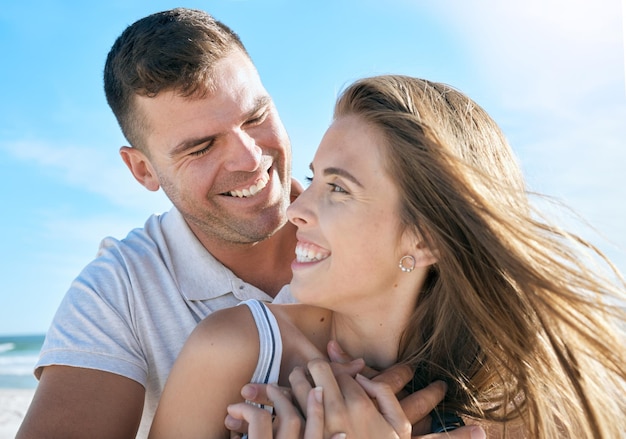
(18, 355)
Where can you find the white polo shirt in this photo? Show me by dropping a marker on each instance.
(130, 310)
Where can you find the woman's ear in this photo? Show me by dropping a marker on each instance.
(420, 250)
(424, 255)
(140, 167)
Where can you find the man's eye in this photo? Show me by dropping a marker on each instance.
(202, 151)
(258, 119)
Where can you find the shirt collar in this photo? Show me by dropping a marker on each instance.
(199, 275)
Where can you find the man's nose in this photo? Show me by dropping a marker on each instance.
(244, 154)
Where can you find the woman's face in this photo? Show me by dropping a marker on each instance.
(349, 235)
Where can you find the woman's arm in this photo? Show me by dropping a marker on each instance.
(216, 361)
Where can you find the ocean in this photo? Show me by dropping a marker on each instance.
(18, 355)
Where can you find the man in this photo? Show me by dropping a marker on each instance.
(204, 129)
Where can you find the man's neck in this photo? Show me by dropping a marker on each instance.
(265, 264)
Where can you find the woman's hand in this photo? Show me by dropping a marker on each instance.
(339, 405)
(356, 407)
(287, 423)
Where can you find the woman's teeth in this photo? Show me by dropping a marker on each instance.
(307, 253)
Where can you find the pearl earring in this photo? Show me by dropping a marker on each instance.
(403, 263)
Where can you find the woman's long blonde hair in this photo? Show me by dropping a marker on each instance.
(512, 316)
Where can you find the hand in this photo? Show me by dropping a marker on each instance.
(348, 403)
(287, 424)
(257, 393)
(417, 406)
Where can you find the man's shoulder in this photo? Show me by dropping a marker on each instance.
(137, 262)
(140, 238)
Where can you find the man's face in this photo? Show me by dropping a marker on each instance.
(224, 160)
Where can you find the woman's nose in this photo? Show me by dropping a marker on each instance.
(298, 212)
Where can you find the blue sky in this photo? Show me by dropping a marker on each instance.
(551, 72)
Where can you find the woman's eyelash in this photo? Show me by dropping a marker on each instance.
(335, 187)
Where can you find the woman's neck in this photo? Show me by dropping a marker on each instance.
(374, 337)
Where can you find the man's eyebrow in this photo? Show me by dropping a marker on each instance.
(263, 101)
(340, 172)
(192, 143)
(260, 102)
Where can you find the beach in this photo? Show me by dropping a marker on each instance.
(13, 406)
(18, 355)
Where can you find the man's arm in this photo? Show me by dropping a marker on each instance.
(73, 402)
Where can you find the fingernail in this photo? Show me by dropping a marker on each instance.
(359, 361)
(232, 423)
(477, 433)
(444, 385)
(318, 393)
(248, 392)
(269, 388)
(337, 347)
(339, 436)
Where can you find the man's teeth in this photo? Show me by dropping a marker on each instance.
(305, 253)
(252, 190)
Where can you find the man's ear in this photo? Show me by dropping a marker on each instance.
(140, 167)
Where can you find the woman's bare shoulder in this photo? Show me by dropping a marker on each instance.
(308, 329)
(227, 330)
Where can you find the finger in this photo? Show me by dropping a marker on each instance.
(396, 377)
(323, 376)
(336, 353)
(259, 420)
(351, 368)
(338, 356)
(467, 432)
(288, 422)
(335, 409)
(300, 387)
(258, 393)
(388, 404)
(314, 428)
(418, 405)
(237, 425)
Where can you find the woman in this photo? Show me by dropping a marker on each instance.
(417, 243)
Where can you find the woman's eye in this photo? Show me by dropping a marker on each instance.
(308, 180)
(336, 188)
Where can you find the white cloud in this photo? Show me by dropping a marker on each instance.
(90, 169)
(541, 54)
